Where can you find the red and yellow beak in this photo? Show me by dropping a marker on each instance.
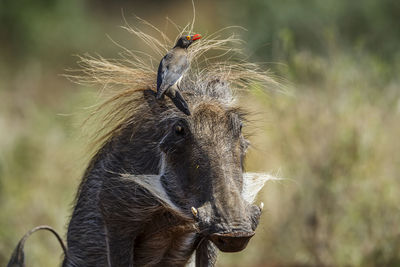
(196, 37)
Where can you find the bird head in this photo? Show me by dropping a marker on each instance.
(187, 40)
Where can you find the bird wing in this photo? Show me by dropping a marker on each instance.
(169, 73)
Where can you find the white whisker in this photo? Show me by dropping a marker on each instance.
(253, 182)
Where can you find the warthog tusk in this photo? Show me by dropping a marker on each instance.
(261, 205)
(194, 211)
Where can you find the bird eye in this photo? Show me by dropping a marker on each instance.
(188, 37)
(179, 130)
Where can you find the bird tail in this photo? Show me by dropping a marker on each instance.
(179, 101)
(18, 257)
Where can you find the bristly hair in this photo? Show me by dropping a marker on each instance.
(218, 71)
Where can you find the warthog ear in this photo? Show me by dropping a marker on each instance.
(219, 88)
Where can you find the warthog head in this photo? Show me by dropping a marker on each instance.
(201, 172)
(203, 166)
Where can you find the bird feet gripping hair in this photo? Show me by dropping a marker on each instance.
(171, 70)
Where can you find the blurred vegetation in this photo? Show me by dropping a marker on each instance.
(333, 133)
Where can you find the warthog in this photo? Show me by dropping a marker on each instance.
(166, 189)
(172, 162)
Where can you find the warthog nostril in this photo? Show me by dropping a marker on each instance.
(231, 242)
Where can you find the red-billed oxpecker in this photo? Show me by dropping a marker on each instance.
(171, 69)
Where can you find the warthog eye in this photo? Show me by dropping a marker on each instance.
(240, 126)
(179, 130)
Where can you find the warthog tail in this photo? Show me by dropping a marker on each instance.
(18, 258)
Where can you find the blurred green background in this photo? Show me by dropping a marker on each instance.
(334, 134)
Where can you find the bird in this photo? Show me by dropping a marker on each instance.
(171, 70)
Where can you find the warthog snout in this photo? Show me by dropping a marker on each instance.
(230, 228)
(231, 242)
